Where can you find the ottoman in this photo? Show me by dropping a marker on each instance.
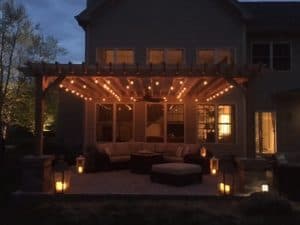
(178, 174)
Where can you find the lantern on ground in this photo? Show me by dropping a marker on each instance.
(80, 163)
(203, 152)
(62, 176)
(226, 184)
(214, 165)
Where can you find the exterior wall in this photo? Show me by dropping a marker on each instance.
(181, 24)
(264, 88)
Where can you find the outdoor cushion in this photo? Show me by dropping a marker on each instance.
(121, 149)
(177, 168)
(119, 159)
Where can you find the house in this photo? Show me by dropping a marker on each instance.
(219, 73)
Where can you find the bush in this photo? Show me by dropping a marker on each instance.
(265, 204)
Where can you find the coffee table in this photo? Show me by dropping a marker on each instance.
(141, 162)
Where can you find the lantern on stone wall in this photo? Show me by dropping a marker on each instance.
(62, 176)
(265, 188)
(80, 163)
(214, 165)
(203, 152)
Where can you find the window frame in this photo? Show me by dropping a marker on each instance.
(132, 122)
(103, 50)
(271, 54)
(165, 50)
(166, 121)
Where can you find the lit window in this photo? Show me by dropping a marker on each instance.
(206, 123)
(169, 56)
(116, 56)
(215, 56)
(225, 123)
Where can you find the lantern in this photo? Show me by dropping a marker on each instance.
(226, 183)
(203, 152)
(214, 165)
(80, 163)
(265, 188)
(62, 176)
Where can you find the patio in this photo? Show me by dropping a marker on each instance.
(125, 182)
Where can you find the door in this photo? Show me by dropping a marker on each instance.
(265, 132)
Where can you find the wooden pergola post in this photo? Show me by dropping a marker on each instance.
(39, 112)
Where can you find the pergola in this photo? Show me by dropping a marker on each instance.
(130, 83)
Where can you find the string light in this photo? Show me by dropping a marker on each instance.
(127, 87)
(220, 93)
(84, 86)
(171, 88)
(61, 86)
(72, 81)
(157, 83)
(205, 82)
(132, 82)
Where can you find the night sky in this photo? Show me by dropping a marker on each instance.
(56, 18)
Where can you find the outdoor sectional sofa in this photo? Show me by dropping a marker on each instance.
(117, 155)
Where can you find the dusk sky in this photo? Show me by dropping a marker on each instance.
(56, 18)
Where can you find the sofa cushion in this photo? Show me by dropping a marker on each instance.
(115, 159)
(121, 149)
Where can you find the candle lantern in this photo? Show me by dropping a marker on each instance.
(62, 176)
(80, 163)
(214, 165)
(226, 184)
(203, 152)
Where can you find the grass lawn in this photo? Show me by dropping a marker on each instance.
(144, 211)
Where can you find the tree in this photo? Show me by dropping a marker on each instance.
(20, 41)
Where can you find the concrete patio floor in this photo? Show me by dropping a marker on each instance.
(125, 182)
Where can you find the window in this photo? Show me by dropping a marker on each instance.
(169, 56)
(215, 56)
(124, 122)
(206, 123)
(281, 57)
(175, 123)
(276, 56)
(225, 124)
(216, 122)
(265, 132)
(116, 56)
(104, 123)
(261, 54)
(155, 123)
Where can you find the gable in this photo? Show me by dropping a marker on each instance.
(95, 6)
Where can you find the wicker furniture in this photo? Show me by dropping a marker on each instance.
(178, 174)
(141, 162)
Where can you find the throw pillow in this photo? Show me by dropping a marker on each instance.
(186, 151)
(179, 151)
(107, 151)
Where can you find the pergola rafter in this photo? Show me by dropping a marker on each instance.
(217, 76)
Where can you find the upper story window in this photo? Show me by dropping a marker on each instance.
(215, 56)
(276, 56)
(169, 56)
(116, 56)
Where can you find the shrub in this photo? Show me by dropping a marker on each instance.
(265, 204)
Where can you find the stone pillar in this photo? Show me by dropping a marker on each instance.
(37, 174)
